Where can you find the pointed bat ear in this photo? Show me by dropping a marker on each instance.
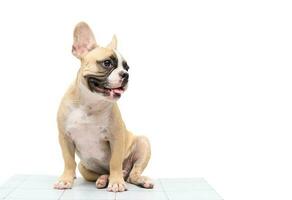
(84, 40)
(113, 44)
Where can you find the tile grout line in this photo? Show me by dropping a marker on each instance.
(221, 198)
(7, 195)
(61, 195)
(164, 191)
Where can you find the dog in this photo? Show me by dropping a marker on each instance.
(90, 124)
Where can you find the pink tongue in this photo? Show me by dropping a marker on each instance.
(117, 91)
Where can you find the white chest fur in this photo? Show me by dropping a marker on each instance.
(89, 131)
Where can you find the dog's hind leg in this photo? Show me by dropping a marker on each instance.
(140, 157)
(87, 174)
(101, 180)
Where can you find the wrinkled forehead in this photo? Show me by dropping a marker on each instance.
(99, 54)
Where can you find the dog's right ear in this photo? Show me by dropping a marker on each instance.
(84, 40)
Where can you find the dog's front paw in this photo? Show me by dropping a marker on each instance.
(116, 185)
(64, 183)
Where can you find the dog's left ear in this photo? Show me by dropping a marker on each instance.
(84, 40)
(113, 44)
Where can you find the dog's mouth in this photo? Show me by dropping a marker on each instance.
(99, 86)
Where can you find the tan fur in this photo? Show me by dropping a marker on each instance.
(127, 155)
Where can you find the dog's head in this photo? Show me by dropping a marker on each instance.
(103, 70)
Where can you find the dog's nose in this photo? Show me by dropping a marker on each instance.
(124, 75)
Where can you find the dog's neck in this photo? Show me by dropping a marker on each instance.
(93, 101)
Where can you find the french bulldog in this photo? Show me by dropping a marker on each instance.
(90, 124)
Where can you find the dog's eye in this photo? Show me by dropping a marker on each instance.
(107, 64)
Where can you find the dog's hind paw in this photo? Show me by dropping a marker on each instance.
(102, 181)
(142, 181)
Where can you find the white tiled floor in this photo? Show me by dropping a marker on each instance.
(28, 187)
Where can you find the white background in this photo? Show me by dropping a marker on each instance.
(210, 85)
